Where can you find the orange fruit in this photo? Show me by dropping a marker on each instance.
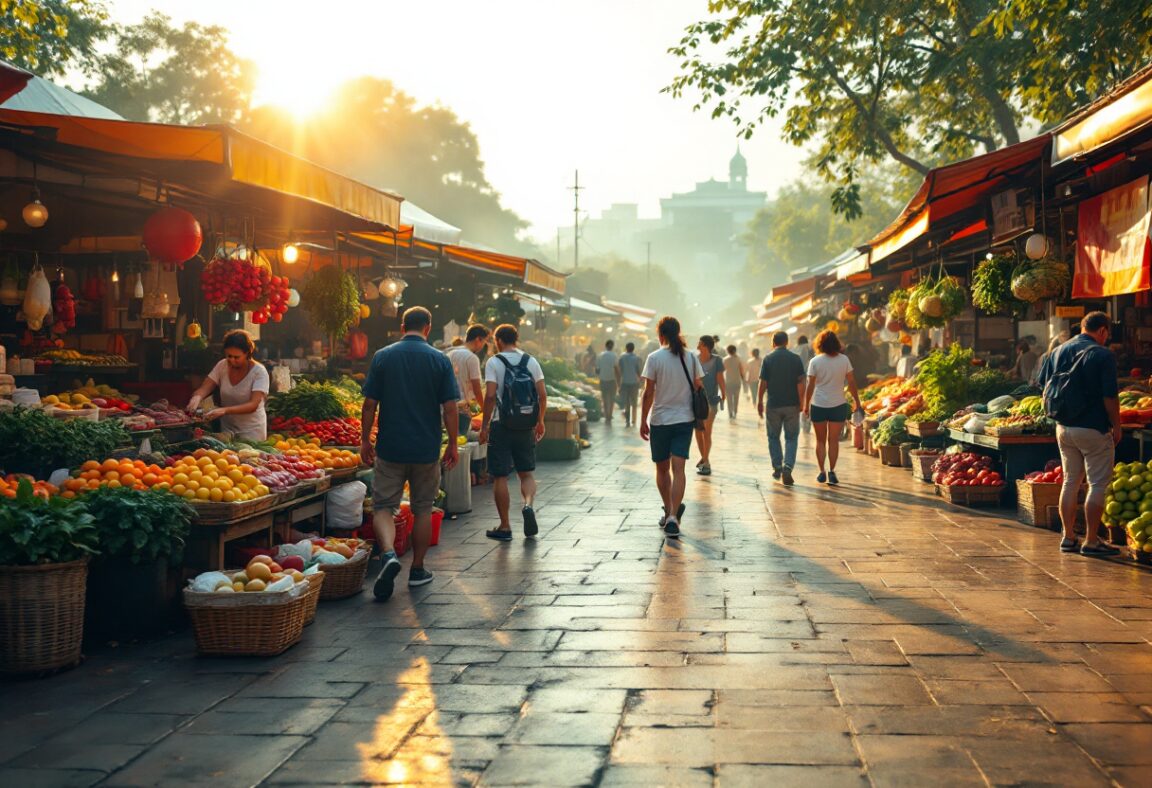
(110, 465)
(91, 465)
(259, 571)
(114, 483)
(127, 478)
(150, 479)
(261, 559)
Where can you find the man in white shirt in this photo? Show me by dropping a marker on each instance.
(466, 366)
(609, 375)
(511, 449)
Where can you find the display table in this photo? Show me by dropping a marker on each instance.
(205, 549)
(1019, 455)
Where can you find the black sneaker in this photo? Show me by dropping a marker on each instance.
(500, 534)
(832, 478)
(679, 515)
(788, 480)
(1099, 549)
(383, 587)
(530, 526)
(672, 529)
(1069, 545)
(776, 474)
(419, 577)
(822, 478)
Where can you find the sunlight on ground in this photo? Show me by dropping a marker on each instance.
(393, 756)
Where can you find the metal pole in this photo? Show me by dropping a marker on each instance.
(649, 266)
(576, 223)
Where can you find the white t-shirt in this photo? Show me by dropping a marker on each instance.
(830, 373)
(466, 365)
(673, 399)
(606, 366)
(752, 370)
(732, 371)
(254, 425)
(494, 373)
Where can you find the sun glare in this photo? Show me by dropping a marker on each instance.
(294, 86)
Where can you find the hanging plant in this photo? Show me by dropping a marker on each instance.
(934, 302)
(1047, 278)
(505, 309)
(897, 303)
(332, 299)
(992, 285)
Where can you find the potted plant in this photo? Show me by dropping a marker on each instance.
(45, 543)
(133, 586)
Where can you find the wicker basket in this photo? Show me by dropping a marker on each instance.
(346, 579)
(247, 625)
(890, 455)
(923, 429)
(972, 496)
(41, 616)
(214, 512)
(315, 582)
(1038, 504)
(922, 465)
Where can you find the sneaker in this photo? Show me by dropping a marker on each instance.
(700, 464)
(1099, 549)
(705, 470)
(788, 480)
(418, 576)
(383, 587)
(1069, 545)
(530, 526)
(679, 515)
(672, 528)
(822, 478)
(500, 534)
(776, 474)
(832, 478)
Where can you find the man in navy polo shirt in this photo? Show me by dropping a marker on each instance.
(414, 387)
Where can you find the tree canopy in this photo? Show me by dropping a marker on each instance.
(911, 81)
(48, 36)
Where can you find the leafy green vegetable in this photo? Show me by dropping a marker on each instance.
(35, 443)
(951, 302)
(557, 369)
(989, 383)
(140, 525)
(891, 432)
(309, 401)
(332, 299)
(992, 285)
(36, 530)
(944, 378)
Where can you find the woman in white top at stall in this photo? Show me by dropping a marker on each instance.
(824, 402)
(243, 383)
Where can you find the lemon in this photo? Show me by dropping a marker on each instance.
(179, 489)
(203, 494)
(191, 496)
(216, 495)
(229, 496)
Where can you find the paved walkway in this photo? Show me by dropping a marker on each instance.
(793, 637)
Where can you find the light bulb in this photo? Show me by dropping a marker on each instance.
(3, 225)
(289, 253)
(1037, 246)
(115, 276)
(35, 214)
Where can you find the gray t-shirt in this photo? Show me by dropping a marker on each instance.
(629, 370)
(606, 366)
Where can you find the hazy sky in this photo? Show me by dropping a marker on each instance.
(548, 87)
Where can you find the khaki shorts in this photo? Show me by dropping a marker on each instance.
(388, 485)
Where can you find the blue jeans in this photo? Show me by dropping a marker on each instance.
(788, 418)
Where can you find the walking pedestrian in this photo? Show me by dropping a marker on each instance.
(824, 401)
(608, 373)
(782, 379)
(733, 380)
(670, 375)
(752, 374)
(513, 423)
(414, 388)
(465, 361)
(713, 369)
(628, 369)
(1080, 393)
(804, 351)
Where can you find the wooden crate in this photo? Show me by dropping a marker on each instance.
(923, 429)
(1038, 504)
(561, 425)
(890, 455)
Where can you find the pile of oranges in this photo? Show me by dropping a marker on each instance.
(328, 459)
(134, 474)
(9, 483)
(215, 477)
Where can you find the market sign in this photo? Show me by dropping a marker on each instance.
(1112, 245)
(544, 278)
(1071, 312)
(1010, 217)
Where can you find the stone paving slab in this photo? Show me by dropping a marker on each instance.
(867, 635)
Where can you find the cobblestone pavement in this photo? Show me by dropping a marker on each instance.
(870, 634)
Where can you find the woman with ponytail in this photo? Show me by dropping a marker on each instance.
(667, 420)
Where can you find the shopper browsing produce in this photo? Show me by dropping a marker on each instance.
(243, 384)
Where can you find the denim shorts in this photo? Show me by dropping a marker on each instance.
(670, 440)
(838, 413)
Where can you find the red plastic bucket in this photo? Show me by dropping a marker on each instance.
(437, 521)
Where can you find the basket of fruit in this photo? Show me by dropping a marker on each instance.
(922, 462)
(1038, 497)
(254, 612)
(968, 479)
(345, 564)
(315, 583)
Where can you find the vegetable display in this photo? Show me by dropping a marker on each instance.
(965, 469)
(36, 530)
(139, 525)
(1046, 278)
(35, 443)
(332, 299)
(332, 432)
(1128, 502)
(992, 285)
(934, 302)
(309, 401)
(891, 432)
(943, 378)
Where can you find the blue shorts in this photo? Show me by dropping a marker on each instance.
(670, 440)
(835, 414)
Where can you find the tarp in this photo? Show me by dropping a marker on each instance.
(40, 95)
(631, 312)
(1112, 246)
(427, 227)
(580, 305)
(1121, 112)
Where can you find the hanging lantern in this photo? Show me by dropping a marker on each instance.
(293, 297)
(289, 253)
(389, 287)
(388, 307)
(1037, 246)
(34, 213)
(172, 236)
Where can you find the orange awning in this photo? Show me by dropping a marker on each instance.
(1125, 110)
(790, 290)
(952, 189)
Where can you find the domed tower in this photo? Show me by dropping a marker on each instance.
(738, 172)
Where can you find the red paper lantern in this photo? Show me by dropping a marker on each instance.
(172, 235)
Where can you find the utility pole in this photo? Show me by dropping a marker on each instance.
(649, 266)
(576, 222)
(557, 247)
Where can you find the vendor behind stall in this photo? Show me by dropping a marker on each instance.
(243, 384)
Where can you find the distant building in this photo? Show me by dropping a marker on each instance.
(696, 234)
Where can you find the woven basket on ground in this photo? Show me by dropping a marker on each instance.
(922, 465)
(972, 496)
(41, 616)
(346, 579)
(315, 582)
(247, 625)
(890, 455)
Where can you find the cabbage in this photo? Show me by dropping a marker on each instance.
(1001, 403)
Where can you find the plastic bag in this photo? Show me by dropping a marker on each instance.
(975, 424)
(207, 582)
(302, 549)
(345, 507)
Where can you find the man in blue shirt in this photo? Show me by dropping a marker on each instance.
(782, 379)
(1087, 426)
(414, 387)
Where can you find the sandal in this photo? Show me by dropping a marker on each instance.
(500, 534)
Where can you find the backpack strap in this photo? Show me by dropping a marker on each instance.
(524, 359)
(507, 363)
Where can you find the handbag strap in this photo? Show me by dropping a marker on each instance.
(684, 366)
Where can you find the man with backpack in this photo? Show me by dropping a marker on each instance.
(514, 405)
(1080, 394)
